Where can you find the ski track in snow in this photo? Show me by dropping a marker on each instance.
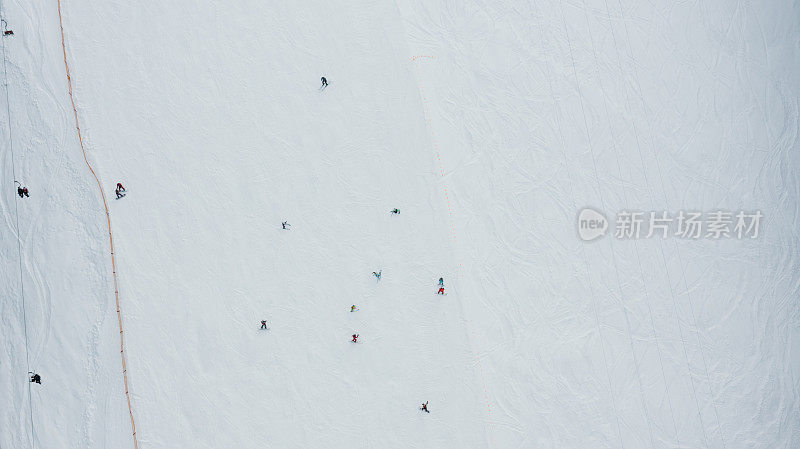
(489, 125)
(418, 60)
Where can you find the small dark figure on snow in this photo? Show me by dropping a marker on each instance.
(8, 33)
(441, 281)
(324, 82)
(353, 308)
(120, 190)
(355, 338)
(377, 274)
(395, 211)
(286, 225)
(36, 378)
(441, 291)
(424, 407)
(22, 192)
(263, 324)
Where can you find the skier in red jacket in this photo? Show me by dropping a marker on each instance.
(355, 338)
(120, 190)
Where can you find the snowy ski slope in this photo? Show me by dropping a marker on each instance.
(490, 125)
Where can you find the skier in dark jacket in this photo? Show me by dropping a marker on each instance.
(36, 378)
(395, 211)
(22, 192)
(355, 338)
(424, 407)
(324, 82)
(263, 324)
(120, 190)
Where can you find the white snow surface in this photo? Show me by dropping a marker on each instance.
(489, 125)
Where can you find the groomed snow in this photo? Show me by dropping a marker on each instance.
(490, 125)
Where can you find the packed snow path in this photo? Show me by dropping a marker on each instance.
(489, 126)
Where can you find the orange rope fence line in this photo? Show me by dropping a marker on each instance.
(435, 142)
(110, 237)
(419, 58)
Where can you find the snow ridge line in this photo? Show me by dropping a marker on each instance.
(563, 147)
(435, 142)
(19, 241)
(590, 146)
(110, 236)
(674, 242)
(635, 245)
